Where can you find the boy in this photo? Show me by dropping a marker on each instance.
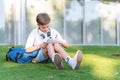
(50, 44)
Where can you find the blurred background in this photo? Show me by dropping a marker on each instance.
(80, 22)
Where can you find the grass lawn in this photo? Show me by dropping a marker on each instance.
(98, 64)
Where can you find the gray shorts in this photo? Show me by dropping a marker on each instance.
(40, 57)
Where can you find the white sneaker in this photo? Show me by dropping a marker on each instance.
(58, 62)
(76, 61)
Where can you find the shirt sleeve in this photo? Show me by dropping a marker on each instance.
(30, 40)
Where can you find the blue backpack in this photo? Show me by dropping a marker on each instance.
(19, 55)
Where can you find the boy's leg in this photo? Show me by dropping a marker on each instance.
(56, 58)
(40, 57)
(73, 62)
(59, 49)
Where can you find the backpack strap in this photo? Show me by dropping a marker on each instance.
(6, 57)
(16, 57)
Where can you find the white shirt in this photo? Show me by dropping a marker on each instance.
(34, 37)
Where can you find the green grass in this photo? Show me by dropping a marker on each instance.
(98, 64)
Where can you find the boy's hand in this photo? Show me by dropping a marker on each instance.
(44, 45)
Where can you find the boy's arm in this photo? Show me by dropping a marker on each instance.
(30, 49)
(64, 44)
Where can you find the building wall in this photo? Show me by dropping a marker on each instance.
(81, 22)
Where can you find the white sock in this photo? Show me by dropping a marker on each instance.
(52, 59)
(67, 59)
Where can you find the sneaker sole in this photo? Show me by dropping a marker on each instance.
(79, 60)
(57, 62)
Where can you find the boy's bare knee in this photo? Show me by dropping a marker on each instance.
(57, 47)
(50, 45)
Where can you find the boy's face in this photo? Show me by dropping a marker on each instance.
(44, 28)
